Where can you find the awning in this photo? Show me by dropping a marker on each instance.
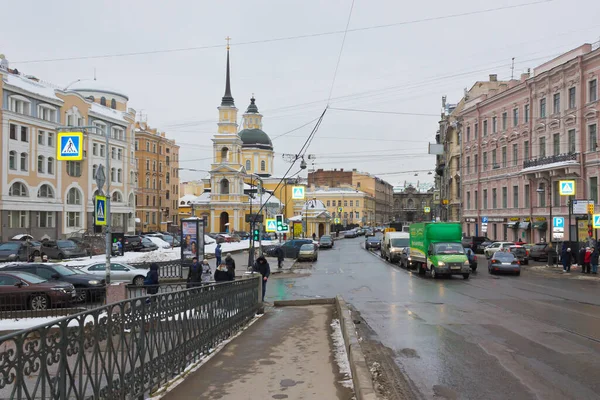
(541, 225)
(524, 225)
(513, 224)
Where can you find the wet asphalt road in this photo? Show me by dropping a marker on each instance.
(507, 337)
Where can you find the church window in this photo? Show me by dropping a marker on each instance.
(248, 165)
(224, 186)
(224, 152)
(263, 165)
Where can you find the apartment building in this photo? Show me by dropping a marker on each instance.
(42, 196)
(157, 192)
(357, 207)
(519, 142)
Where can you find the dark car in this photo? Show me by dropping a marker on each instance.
(541, 251)
(292, 247)
(62, 249)
(14, 251)
(405, 260)
(369, 232)
(504, 261)
(372, 243)
(21, 290)
(521, 253)
(326, 241)
(472, 258)
(133, 243)
(148, 245)
(88, 287)
(475, 243)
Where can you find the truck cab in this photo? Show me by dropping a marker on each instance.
(393, 244)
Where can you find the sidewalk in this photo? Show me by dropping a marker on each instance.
(557, 270)
(286, 354)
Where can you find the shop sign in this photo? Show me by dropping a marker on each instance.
(526, 219)
(515, 219)
(540, 219)
(496, 219)
(470, 220)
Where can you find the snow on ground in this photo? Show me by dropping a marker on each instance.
(159, 242)
(26, 323)
(341, 356)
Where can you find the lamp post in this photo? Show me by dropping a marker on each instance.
(541, 189)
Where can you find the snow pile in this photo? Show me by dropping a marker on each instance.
(158, 255)
(341, 357)
(159, 242)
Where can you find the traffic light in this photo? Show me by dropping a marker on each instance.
(279, 222)
(590, 231)
(590, 208)
(256, 235)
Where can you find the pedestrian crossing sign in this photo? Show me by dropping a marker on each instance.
(271, 225)
(298, 192)
(596, 221)
(337, 220)
(70, 146)
(567, 188)
(100, 210)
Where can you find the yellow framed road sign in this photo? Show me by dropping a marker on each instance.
(69, 146)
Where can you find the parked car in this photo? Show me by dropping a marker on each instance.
(132, 243)
(326, 241)
(504, 262)
(22, 290)
(87, 286)
(474, 243)
(472, 257)
(61, 249)
(148, 245)
(372, 242)
(405, 259)
(351, 233)
(227, 238)
(119, 272)
(541, 251)
(308, 252)
(172, 240)
(521, 253)
(496, 246)
(14, 251)
(243, 235)
(292, 247)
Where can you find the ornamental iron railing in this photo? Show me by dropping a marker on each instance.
(166, 269)
(550, 160)
(124, 350)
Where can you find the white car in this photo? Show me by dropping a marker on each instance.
(497, 246)
(119, 272)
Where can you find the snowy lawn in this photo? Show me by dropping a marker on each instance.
(26, 323)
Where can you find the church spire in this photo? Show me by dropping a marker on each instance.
(227, 99)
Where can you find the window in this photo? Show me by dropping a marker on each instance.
(119, 175)
(113, 153)
(526, 150)
(94, 170)
(154, 148)
(23, 161)
(50, 169)
(148, 183)
(468, 200)
(45, 219)
(468, 165)
(12, 160)
(13, 131)
(113, 174)
(571, 141)
(357, 205)
(505, 197)
(494, 199)
(504, 120)
(46, 191)
(117, 197)
(476, 128)
(527, 192)
(572, 99)
(515, 155)
(592, 137)
(50, 139)
(118, 133)
(160, 167)
(168, 178)
(41, 164)
(504, 160)
(556, 194)
(103, 101)
(224, 186)
(24, 134)
(515, 197)
(46, 113)
(328, 203)
(356, 215)
(351, 203)
(102, 150)
(95, 149)
(147, 146)
(485, 161)
(153, 218)
(147, 164)
(113, 104)
(74, 219)
(485, 200)
(74, 168)
(41, 138)
(494, 163)
(542, 197)
(593, 90)
(556, 143)
(494, 124)
(168, 161)
(263, 165)
(339, 203)
(18, 189)
(247, 164)
(526, 109)
(137, 145)
(153, 166)
(20, 105)
(18, 219)
(119, 154)
(345, 203)
(485, 128)
(594, 189)
(476, 163)
(556, 103)
(542, 147)
(515, 116)
(74, 196)
(543, 108)
(468, 134)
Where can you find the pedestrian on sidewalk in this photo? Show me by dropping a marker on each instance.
(206, 273)
(230, 262)
(151, 280)
(280, 256)
(565, 257)
(587, 261)
(194, 274)
(263, 268)
(218, 253)
(594, 260)
(222, 273)
(120, 247)
(314, 236)
(581, 257)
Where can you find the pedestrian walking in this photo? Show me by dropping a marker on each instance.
(565, 257)
(120, 247)
(594, 260)
(280, 256)
(314, 236)
(194, 278)
(587, 261)
(230, 262)
(222, 273)
(151, 280)
(262, 267)
(218, 253)
(206, 273)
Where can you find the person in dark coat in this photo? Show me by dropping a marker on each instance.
(222, 273)
(230, 262)
(151, 281)
(262, 267)
(218, 253)
(194, 274)
(565, 257)
(280, 256)
(594, 260)
(581, 257)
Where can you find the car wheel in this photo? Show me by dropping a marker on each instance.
(433, 274)
(39, 302)
(138, 281)
(60, 256)
(36, 253)
(81, 295)
(474, 268)
(421, 269)
(465, 276)
(490, 271)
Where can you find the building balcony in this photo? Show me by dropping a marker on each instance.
(560, 164)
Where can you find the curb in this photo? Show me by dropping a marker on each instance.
(361, 375)
(303, 302)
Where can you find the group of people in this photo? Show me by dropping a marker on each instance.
(201, 273)
(587, 259)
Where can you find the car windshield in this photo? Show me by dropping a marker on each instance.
(325, 239)
(504, 256)
(31, 278)
(306, 247)
(373, 239)
(404, 242)
(539, 247)
(66, 244)
(448, 248)
(10, 246)
(146, 240)
(519, 251)
(63, 270)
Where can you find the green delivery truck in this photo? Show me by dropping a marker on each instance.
(437, 247)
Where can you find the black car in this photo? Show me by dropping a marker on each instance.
(148, 245)
(14, 251)
(373, 243)
(87, 286)
(542, 251)
(476, 243)
(292, 247)
(326, 241)
(133, 243)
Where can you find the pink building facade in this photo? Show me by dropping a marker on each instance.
(520, 141)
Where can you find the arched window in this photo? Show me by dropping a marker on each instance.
(41, 164)
(12, 160)
(263, 165)
(117, 197)
(74, 196)
(224, 186)
(248, 165)
(24, 161)
(46, 191)
(131, 200)
(411, 203)
(50, 168)
(103, 100)
(224, 152)
(18, 190)
(113, 104)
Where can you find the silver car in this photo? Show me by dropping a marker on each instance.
(308, 252)
(119, 272)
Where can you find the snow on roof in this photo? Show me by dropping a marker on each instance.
(36, 88)
(187, 197)
(296, 218)
(263, 199)
(203, 198)
(93, 85)
(108, 112)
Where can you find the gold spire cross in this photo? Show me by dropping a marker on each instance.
(228, 39)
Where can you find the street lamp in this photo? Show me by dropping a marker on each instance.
(542, 189)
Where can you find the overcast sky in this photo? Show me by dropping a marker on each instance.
(400, 68)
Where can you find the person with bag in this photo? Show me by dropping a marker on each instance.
(230, 262)
(194, 278)
(262, 267)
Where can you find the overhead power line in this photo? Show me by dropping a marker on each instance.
(337, 65)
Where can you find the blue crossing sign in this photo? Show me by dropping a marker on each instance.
(100, 210)
(558, 222)
(596, 221)
(69, 146)
(298, 192)
(484, 220)
(567, 188)
(271, 225)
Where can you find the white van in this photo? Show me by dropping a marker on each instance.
(393, 244)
